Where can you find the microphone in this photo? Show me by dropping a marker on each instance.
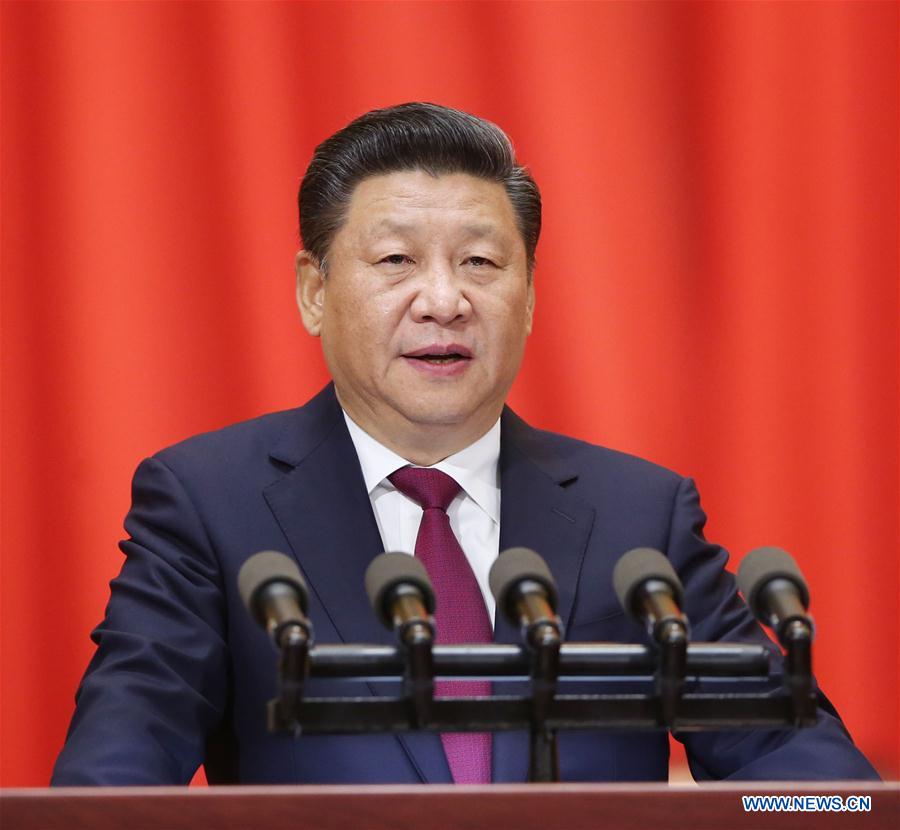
(276, 596)
(776, 592)
(526, 594)
(402, 596)
(403, 599)
(650, 592)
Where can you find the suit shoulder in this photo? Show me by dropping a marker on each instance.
(628, 493)
(254, 448)
(232, 444)
(566, 457)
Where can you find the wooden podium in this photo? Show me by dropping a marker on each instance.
(443, 807)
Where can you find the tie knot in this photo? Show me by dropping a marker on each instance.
(426, 486)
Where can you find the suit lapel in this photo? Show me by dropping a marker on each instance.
(324, 510)
(536, 512)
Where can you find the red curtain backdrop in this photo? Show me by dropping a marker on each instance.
(717, 280)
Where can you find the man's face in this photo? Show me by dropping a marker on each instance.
(426, 304)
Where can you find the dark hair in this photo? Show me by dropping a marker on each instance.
(414, 136)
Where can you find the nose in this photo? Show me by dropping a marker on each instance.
(440, 297)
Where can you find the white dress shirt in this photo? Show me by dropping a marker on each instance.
(474, 513)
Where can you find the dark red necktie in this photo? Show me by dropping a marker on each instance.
(460, 614)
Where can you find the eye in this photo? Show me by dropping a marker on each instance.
(480, 262)
(395, 259)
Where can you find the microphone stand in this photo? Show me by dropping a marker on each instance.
(544, 711)
(544, 641)
(418, 679)
(797, 639)
(671, 671)
(293, 669)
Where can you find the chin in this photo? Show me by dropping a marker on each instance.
(442, 405)
(438, 416)
(444, 412)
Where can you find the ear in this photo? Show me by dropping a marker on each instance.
(310, 291)
(529, 306)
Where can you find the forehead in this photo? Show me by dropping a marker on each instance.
(411, 200)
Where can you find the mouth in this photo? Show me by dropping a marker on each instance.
(437, 355)
(437, 360)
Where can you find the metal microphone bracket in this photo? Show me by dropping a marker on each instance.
(541, 632)
(544, 642)
(294, 640)
(418, 678)
(797, 639)
(731, 665)
(671, 669)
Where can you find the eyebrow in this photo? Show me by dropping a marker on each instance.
(478, 230)
(390, 226)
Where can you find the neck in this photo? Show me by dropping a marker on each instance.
(422, 444)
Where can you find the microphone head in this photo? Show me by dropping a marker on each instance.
(515, 565)
(262, 569)
(388, 570)
(635, 568)
(761, 566)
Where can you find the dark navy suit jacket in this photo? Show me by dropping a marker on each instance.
(182, 675)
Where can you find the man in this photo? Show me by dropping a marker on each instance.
(419, 231)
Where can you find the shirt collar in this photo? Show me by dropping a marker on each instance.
(474, 468)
